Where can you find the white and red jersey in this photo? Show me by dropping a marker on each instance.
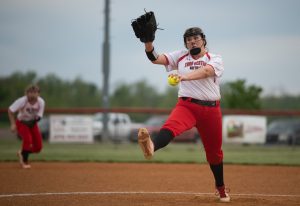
(27, 111)
(203, 89)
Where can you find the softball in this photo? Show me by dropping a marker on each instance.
(173, 80)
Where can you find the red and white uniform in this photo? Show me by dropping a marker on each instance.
(204, 89)
(27, 111)
(31, 136)
(186, 114)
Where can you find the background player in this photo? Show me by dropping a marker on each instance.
(199, 96)
(30, 109)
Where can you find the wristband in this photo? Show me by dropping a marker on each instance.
(152, 55)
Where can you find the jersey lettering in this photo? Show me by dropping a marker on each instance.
(204, 89)
(195, 64)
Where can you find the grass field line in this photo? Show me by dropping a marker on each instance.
(137, 193)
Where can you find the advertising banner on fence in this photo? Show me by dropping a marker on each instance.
(247, 129)
(71, 128)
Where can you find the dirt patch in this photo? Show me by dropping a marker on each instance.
(123, 184)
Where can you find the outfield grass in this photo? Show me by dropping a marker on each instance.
(173, 153)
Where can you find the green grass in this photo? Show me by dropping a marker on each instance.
(173, 153)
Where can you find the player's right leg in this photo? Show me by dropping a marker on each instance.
(23, 154)
(210, 129)
(222, 194)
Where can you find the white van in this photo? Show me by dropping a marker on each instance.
(119, 126)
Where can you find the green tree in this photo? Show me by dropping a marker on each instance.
(139, 94)
(55, 91)
(281, 102)
(13, 86)
(237, 95)
(169, 98)
(77, 93)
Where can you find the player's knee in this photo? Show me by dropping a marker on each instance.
(214, 158)
(37, 149)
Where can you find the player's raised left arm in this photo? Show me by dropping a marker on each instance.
(144, 28)
(153, 56)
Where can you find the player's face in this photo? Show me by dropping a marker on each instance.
(193, 41)
(32, 96)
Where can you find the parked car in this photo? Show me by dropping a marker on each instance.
(135, 126)
(119, 125)
(285, 131)
(154, 123)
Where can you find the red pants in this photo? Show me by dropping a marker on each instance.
(207, 120)
(31, 137)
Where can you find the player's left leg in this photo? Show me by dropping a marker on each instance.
(150, 145)
(146, 143)
(180, 120)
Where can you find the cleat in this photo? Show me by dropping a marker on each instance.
(146, 143)
(222, 193)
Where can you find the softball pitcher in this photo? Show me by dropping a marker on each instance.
(198, 105)
(30, 109)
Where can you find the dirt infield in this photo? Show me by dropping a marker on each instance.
(75, 184)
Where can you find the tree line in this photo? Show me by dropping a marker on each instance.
(59, 93)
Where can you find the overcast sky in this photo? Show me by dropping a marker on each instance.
(258, 39)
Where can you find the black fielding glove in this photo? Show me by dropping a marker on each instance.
(145, 26)
(31, 123)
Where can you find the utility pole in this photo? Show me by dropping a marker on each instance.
(105, 69)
